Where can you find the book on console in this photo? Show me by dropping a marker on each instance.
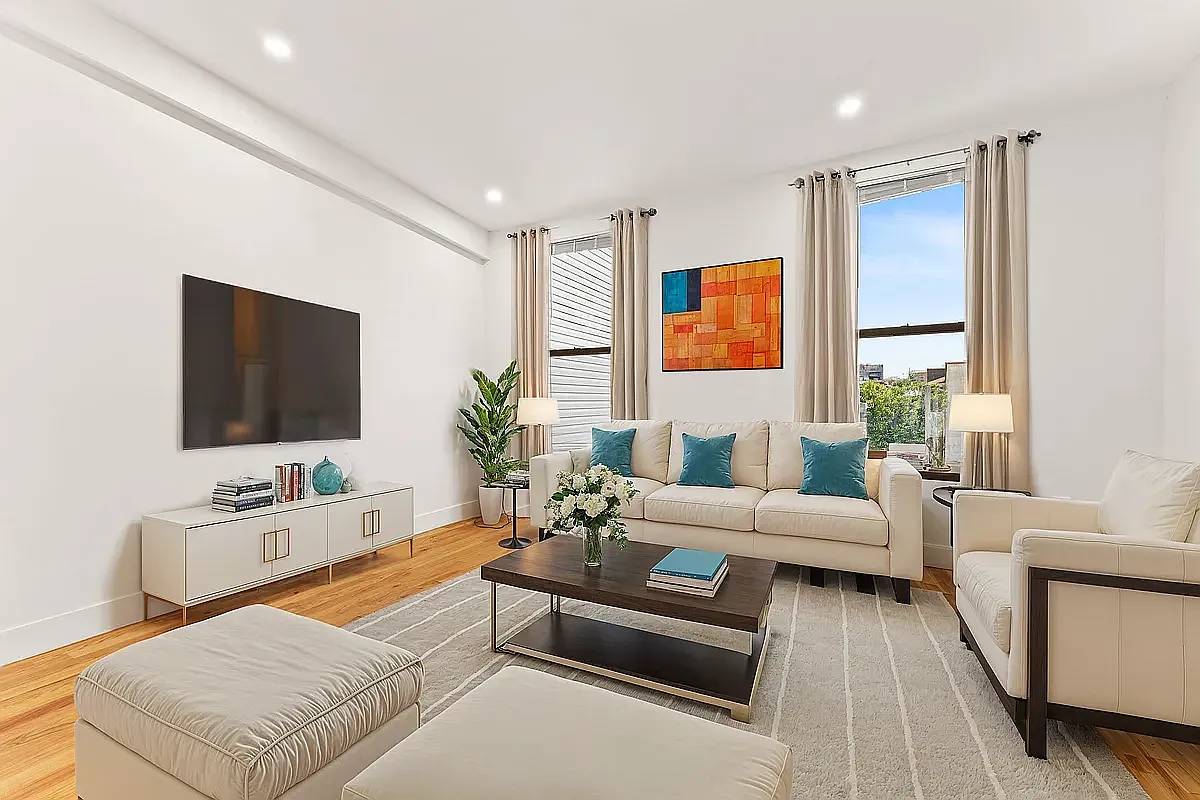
(684, 563)
(246, 484)
(691, 583)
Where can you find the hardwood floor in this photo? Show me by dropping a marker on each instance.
(37, 711)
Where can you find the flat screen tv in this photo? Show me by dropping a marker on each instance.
(260, 368)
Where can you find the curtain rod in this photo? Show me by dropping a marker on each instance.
(540, 230)
(1026, 138)
(646, 212)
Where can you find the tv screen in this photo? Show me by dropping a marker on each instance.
(259, 368)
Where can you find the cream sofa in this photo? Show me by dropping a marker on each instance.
(1078, 625)
(764, 515)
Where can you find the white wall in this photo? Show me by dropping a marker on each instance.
(1181, 423)
(104, 203)
(1095, 239)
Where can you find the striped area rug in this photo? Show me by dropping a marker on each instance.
(876, 699)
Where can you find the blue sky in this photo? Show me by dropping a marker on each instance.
(911, 270)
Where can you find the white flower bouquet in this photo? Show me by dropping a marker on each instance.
(588, 504)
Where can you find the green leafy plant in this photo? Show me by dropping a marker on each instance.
(491, 423)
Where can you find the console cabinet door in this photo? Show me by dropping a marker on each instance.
(351, 527)
(393, 517)
(229, 554)
(300, 539)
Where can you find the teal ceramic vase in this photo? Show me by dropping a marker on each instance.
(327, 477)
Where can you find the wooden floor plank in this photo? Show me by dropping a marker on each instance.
(37, 711)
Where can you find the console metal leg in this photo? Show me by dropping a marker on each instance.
(493, 615)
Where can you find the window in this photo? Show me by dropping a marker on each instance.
(580, 338)
(911, 309)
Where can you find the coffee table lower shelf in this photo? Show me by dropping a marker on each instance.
(701, 672)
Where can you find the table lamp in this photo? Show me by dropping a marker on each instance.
(530, 411)
(981, 413)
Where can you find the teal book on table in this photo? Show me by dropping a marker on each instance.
(683, 563)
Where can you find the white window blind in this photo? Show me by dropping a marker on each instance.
(911, 184)
(580, 337)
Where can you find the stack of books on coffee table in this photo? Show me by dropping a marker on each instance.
(696, 572)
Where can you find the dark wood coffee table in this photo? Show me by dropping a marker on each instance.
(709, 674)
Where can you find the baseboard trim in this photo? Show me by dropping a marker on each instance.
(939, 555)
(47, 634)
(446, 516)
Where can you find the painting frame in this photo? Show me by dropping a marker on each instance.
(670, 306)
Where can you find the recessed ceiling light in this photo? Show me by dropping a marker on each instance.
(277, 47)
(849, 106)
(494, 196)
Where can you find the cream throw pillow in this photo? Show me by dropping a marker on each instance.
(1150, 498)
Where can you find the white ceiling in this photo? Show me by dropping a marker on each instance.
(566, 105)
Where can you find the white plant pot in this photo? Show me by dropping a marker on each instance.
(491, 504)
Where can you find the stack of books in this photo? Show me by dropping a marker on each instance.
(292, 482)
(242, 494)
(697, 572)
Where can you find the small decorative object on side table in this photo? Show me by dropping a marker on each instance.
(588, 504)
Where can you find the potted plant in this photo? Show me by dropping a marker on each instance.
(489, 426)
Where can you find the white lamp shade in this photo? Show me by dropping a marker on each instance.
(537, 411)
(981, 413)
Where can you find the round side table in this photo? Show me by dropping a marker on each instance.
(945, 496)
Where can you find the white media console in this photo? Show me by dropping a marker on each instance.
(197, 554)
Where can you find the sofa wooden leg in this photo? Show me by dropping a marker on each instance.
(816, 576)
(903, 590)
(866, 583)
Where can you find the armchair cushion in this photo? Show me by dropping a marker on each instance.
(983, 580)
(1150, 498)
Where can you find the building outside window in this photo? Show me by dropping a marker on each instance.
(580, 338)
(912, 308)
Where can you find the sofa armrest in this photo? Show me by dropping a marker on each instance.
(900, 499)
(543, 475)
(987, 521)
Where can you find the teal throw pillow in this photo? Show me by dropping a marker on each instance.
(707, 462)
(614, 449)
(835, 468)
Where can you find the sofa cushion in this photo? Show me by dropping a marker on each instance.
(749, 462)
(634, 508)
(651, 446)
(1150, 498)
(248, 704)
(706, 462)
(613, 449)
(591, 743)
(983, 580)
(704, 506)
(841, 519)
(785, 454)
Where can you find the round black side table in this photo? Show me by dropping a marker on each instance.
(945, 496)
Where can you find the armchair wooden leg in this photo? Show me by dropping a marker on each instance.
(866, 583)
(816, 576)
(903, 590)
(1038, 657)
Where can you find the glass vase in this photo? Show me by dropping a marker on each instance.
(592, 552)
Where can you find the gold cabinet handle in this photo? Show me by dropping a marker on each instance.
(365, 530)
(288, 540)
(268, 554)
(377, 516)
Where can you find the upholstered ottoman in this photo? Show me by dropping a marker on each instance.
(255, 704)
(590, 743)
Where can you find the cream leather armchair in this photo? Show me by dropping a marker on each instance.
(1077, 625)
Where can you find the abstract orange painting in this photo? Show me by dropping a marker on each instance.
(725, 317)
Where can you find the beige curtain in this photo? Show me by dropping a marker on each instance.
(630, 314)
(827, 371)
(997, 307)
(531, 326)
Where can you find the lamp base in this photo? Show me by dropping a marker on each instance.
(515, 543)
